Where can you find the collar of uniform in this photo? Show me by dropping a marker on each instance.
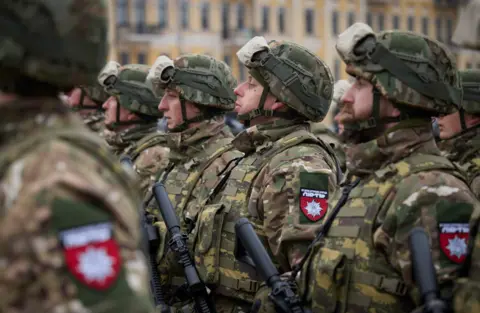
(262, 135)
(190, 141)
(93, 117)
(119, 141)
(457, 147)
(394, 145)
(25, 116)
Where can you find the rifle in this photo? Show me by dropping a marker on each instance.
(282, 294)
(424, 272)
(178, 244)
(150, 243)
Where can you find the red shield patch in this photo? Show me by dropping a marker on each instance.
(313, 203)
(454, 240)
(92, 255)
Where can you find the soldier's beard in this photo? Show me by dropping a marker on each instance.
(351, 136)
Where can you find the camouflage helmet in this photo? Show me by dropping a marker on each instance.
(413, 71)
(96, 93)
(62, 43)
(293, 74)
(127, 83)
(471, 91)
(197, 78)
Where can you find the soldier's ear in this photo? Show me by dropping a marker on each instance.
(277, 105)
(472, 119)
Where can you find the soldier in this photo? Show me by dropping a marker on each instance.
(69, 235)
(397, 178)
(460, 131)
(87, 101)
(198, 93)
(284, 180)
(327, 135)
(131, 118)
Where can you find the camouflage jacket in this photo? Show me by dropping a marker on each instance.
(69, 238)
(119, 142)
(467, 291)
(464, 150)
(328, 136)
(282, 160)
(363, 264)
(197, 156)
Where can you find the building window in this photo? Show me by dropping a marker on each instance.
(265, 18)
(425, 25)
(411, 23)
(140, 15)
(309, 21)
(184, 13)
(438, 26)
(205, 14)
(478, 66)
(281, 20)
(381, 22)
(142, 58)
(241, 16)
(478, 32)
(396, 22)
(336, 69)
(227, 59)
(449, 30)
(369, 19)
(124, 59)
(351, 18)
(122, 12)
(162, 13)
(469, 65)
(225, 20)
(335, 22)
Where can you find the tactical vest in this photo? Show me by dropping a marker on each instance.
(213, 238)
(79, 138)
(143, 144)
(345, 273)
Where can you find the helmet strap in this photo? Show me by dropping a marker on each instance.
(186, 122)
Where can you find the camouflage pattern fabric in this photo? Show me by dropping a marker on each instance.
(331, 138)
(122, 141)
(467, 291)
(464, 151)
(363, 264)
(282, 159)
(69, 236)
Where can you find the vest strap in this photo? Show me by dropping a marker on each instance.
(391, 285)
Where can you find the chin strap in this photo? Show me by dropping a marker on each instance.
(119, 123)
(186, 122)
(83, 106)
(375, 120)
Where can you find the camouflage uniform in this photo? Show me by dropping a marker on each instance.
(464, 148)
(197, 152)
(127, 84)
(396, 182)
(69, 236)
(281, 158)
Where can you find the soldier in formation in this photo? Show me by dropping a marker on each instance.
(460, 131)
(397, 179)
(69, 236)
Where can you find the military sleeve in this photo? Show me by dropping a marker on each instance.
(148, 164)
(294, 201)
(439, 203)
(68, 237)
(475, 186)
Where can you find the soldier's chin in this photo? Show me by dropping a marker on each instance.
(350, 136)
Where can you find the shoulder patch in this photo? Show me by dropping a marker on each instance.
(92, 255)
(313, 197)
(454, 240)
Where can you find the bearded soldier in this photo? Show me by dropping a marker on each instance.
(284, 180)
(131, 116)
(460, 131)
(69, 235)
(87, 101)
(397, 178)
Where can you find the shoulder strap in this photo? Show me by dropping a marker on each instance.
(146, 142)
